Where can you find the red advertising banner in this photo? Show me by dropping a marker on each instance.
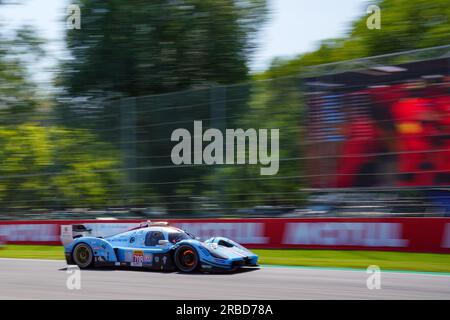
(387, 234)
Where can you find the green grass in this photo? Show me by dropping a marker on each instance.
(32, 252)
(357, 259)
(315, 258)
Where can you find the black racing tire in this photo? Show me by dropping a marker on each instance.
(83, 256)
(186, 258)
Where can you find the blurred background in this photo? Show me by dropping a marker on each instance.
(86, 115)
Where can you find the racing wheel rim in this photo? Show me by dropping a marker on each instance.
(186, 259)
(82, 256)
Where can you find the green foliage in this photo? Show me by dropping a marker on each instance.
(274, 105)
(43, 165)
(139, 47)
(18, 101)
(405, 25)
(56, 166)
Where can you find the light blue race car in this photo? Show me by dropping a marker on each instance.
(156, 246)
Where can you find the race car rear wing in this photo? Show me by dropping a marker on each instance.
(73, 231)
(149, 223)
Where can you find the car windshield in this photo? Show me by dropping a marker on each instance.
(176, 236)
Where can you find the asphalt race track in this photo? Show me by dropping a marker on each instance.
(45, 279)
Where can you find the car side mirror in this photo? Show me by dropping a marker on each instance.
(163, 242)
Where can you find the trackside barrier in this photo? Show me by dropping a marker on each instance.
(386, 234)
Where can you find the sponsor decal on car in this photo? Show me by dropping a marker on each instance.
(138, 258)
(121, 239)
(148, 258)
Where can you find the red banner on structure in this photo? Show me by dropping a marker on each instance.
(388, 234)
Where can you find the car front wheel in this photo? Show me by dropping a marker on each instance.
(186, 258)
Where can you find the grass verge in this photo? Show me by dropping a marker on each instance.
(32, 252)
(311, 258)
(357, 259)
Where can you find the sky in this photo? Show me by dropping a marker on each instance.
(297, 26)
(47, 16)
(294, 27)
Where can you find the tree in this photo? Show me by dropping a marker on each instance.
(52, 167)
(135, 48)
(43, 165)
(405, 25)
(18, 99)
(139, 47)
(275, 104)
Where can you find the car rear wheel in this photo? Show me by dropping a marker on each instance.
(186, 258)
(83, 256)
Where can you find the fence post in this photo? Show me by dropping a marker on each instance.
(218, 113)
(128, 147)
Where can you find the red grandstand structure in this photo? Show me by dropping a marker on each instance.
(380, 125)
